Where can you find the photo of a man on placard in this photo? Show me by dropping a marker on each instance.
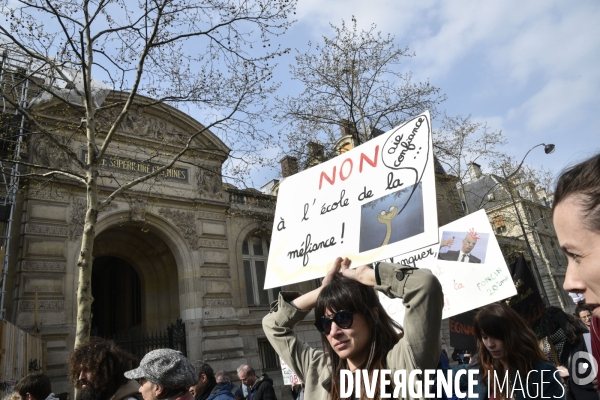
(465, 253)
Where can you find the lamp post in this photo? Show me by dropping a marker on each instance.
(548, 148)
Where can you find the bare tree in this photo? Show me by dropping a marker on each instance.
(212, 58)
(460, 142)
(352, 79)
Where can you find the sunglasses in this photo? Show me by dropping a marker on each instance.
(342, 319)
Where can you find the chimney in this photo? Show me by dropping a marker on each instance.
(289, 166)
(346, 128)
(474, 170)
(316, 152)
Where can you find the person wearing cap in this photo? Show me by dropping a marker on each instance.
(164, 374)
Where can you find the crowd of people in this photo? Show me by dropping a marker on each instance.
(358, 334)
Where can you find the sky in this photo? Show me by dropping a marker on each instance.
(528, 68)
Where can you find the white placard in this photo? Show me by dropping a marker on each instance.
(481, 279)
(289, 376)
(373, 202)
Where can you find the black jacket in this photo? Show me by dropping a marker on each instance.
(263, 389)
(452, 255)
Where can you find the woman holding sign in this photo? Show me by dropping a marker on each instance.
(357, 333)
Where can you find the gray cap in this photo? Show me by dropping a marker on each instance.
(167, 368)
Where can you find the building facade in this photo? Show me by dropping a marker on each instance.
(533, 206)
(184, 247)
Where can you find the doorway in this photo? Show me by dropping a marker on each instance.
(117, 306)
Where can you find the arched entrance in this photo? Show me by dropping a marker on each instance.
(140, 263)
(116, 289)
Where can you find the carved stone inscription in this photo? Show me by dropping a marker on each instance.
(214, 243)
(49, 230)
(218, 302)
(53, 266)
(43, 305)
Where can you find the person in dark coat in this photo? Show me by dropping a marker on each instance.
(222, 391)
(206, 381)
(259, 388)
(223, 376)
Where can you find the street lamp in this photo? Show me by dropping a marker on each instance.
(548, 148)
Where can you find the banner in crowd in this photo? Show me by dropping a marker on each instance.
(479, 278)
(462, 331)
(373, 202)
(528, 301)
(289, 376)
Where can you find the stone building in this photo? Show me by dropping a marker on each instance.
(185, 247)
(491, 192)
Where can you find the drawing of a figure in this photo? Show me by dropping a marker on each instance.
(386, 219)
(464, 254)
(402, 217)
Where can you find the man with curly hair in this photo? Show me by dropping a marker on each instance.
(97, 369)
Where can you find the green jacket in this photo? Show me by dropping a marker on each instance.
(419, 348)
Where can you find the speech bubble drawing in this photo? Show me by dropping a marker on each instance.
(407, 148)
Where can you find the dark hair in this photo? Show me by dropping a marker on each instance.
(570, 325)
(582, 180)
(223, 374)
(107, 362)
(36, 384)
(350, 295)
(582, 307)
(203, 368)
(63, 396)
(501, 322)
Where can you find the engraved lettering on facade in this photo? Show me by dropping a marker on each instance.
(51, 230)
(54, 266)
(43, 305)
(214, 243)
(218, 302)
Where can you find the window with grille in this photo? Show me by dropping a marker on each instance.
(268, 357)
(255, 252)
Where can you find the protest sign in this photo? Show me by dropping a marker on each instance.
(462, 331)
(528, 302)
(375, 201)
(289, 376)
(482, 278)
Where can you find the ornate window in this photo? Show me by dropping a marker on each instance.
(255, 252)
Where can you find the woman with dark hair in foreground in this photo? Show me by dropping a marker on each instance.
(357, 332)
(508, 348)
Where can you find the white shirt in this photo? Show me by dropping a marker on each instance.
(460, 256)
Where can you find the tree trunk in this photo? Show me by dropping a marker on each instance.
(84, 263)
